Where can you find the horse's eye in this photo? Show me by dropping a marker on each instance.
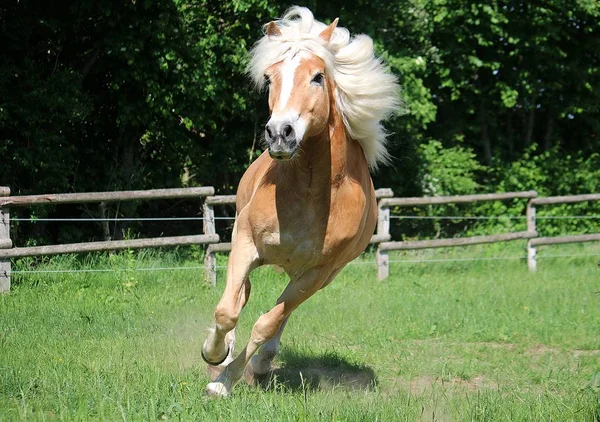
(318, 79)
(267, 81)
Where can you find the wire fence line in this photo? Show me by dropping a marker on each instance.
(202, 268)
(396, 217)
(98, 220)
(497, 217)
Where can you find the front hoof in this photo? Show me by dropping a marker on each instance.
(218, 362)
(217, 389)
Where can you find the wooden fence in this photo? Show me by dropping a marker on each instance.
(538, 241)
(383, 225)
(382, 237)
(6, 202)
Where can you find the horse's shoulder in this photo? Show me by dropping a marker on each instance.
(251, 180)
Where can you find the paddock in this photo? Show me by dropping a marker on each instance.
(452, 332)
(443, 339)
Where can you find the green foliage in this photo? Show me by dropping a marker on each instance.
(448, 171)
(552, 173)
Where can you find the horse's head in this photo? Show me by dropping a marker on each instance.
(309, 68)
(298, 98)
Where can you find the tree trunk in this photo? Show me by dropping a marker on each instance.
(530, 123)
(510, 140)
(485, 138)
(549, 132)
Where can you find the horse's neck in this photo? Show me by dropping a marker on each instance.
(323, 162)
(324, 158)
(339, 147)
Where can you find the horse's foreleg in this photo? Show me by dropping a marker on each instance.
(261, 362)
(218, 346)
(268, 326)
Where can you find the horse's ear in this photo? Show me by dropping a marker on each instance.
(273, 30)
(328, 32)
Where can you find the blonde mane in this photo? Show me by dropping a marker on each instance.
(366, 93)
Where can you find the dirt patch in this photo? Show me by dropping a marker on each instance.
(466, 344)
(580, 353)
(491, 345)
(539, 350)
(422, 384)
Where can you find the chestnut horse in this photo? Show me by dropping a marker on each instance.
(307, 204)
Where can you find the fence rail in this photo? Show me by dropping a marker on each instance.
(112, 245)
(80, 198)
(383, 225)
(440, 200)
(7, 251)
(382, 237)
(555, 240)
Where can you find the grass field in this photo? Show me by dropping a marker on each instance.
(467, 340)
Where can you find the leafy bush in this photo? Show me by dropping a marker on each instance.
(455, 171)
(442, 171)
(552, 173)
(448, 171)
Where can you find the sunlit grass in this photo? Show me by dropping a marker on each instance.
(453, 340)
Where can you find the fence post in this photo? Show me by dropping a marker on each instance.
(531, 251)
(383, 228)
(210, 259)
(5, 243)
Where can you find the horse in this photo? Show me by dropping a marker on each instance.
(307, 204)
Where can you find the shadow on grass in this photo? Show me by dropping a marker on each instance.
(325, 372)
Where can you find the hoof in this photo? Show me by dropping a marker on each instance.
(256, 380)
(217, 389)
(250, 377)
(214, 363)
(260, 366)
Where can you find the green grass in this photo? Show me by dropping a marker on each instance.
(472, 340)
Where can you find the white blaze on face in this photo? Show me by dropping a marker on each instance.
(288, 71)
(282, 114)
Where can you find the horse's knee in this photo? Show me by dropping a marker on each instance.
(265, 328)
(225, 318)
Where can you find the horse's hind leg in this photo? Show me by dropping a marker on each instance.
(217, 348)
(268, 325)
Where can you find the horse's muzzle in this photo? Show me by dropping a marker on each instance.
(280, 150)
(282, 140)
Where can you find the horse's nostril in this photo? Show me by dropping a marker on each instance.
(287, 131)
(269, 132)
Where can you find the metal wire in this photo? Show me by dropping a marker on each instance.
(202, 268)
(35, 220)
(490, 258)
(499, 217)
(104, 270)
(398, 217)
(458, 259)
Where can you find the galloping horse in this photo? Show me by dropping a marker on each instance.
(307, 204)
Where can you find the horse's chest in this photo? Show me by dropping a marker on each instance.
(286, 236)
